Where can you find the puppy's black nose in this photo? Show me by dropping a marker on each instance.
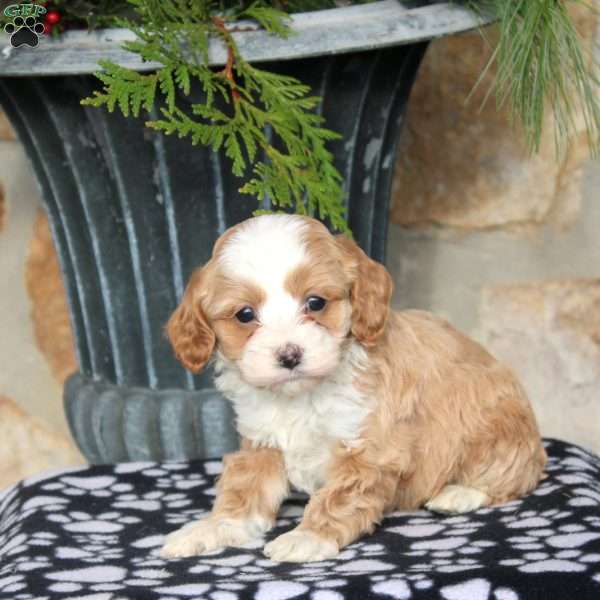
(289, 356)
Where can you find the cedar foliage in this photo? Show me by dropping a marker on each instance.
(267, 122)
(245, 110)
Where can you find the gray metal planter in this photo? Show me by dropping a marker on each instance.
(133, 212)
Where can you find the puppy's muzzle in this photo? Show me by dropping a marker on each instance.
(289, 356)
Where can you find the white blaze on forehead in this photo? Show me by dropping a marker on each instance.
(265, 250)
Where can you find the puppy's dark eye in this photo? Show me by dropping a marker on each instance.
(315, 303)
(245, 315)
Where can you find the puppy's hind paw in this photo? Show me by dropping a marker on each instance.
(455, 499)
(300, 545)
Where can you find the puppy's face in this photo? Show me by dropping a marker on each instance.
(279, 300)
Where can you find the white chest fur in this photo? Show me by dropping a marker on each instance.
(306, 427)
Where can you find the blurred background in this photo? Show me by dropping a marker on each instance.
(504, 245)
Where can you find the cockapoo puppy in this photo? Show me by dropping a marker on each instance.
(365, 409)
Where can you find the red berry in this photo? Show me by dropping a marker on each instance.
(52, 17)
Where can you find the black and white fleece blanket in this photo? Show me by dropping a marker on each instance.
(94, 533)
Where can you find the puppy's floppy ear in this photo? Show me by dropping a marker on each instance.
(370, 293)
(188, 329)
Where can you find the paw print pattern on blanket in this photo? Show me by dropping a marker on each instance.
(96, 533)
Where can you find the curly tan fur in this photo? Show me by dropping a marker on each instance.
(370, 293)
(192, 338)
(448, 413)
(253, 484)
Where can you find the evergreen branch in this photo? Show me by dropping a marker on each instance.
(240, 103)
(127, 89)
(540, 64)
(271, 19)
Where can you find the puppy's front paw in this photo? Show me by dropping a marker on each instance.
(300, 545)
(207, 535)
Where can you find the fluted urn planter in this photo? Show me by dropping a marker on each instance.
(133, 212)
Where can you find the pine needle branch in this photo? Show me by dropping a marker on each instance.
(541, 64)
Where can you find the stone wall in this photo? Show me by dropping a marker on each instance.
(550, 332)
(463, 165)
(36, 348)
(49, 311)
(503, 244)
(29, 445)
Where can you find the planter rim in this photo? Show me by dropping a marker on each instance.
(349, 29)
